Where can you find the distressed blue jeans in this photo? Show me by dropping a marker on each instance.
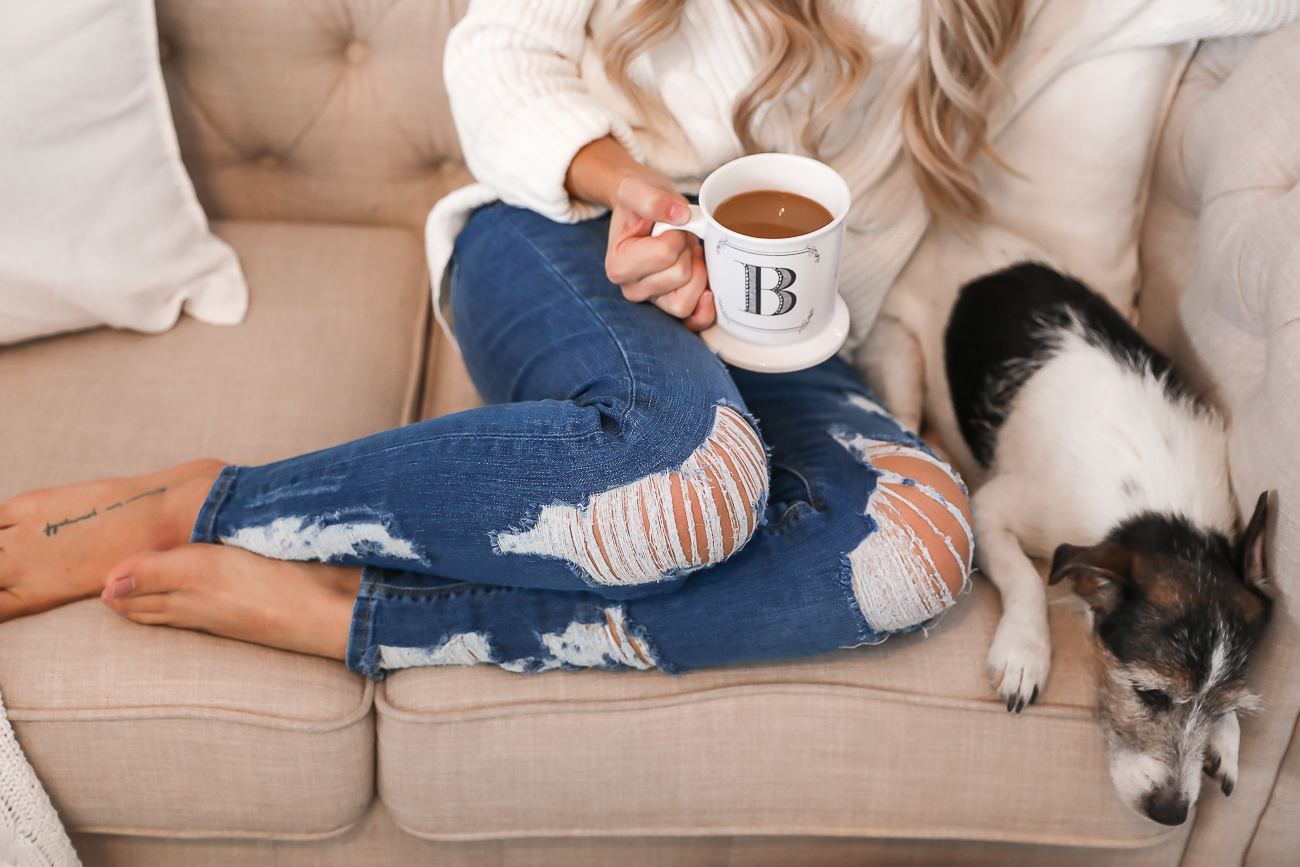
(531, 532)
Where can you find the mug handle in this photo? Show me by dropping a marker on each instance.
(695, 224)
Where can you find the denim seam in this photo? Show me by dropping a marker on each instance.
(397, 591)
(352, 458)
(226, 478)
(366, 622)
(568, 284)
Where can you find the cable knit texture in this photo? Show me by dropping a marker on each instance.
(528, 91)
(31, 834)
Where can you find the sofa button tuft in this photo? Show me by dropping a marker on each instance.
(356, 52)
(267, 161)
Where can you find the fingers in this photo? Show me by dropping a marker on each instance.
(681, 299)
(704, 316)
(649, 202)
(633, 255)
(667, 270)
(686, 270)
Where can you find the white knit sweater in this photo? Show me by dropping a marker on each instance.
(528, 90)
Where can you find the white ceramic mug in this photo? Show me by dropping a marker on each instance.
(771, 291)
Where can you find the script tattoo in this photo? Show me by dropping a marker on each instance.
(53, 529)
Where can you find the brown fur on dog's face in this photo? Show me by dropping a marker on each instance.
(1177, 613)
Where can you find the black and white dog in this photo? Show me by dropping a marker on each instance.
(1099, 459)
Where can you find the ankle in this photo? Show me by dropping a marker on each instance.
(182, 501)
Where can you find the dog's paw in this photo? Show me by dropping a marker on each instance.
(1019, 662)
(1221, 756)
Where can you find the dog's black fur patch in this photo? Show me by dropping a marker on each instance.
(1004, 327)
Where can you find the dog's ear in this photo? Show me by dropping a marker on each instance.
(1098, 571)
(1251, 553)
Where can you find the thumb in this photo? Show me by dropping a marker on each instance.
(652, 203)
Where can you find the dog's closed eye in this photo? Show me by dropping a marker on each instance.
(1156, 700)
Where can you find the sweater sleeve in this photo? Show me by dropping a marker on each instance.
(522, 110)
(1150, 23)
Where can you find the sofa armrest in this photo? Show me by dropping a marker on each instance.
(1229, 165)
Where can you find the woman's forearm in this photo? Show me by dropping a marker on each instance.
(599, 167)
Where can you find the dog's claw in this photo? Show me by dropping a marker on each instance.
(1221, 755)
(1018, 662)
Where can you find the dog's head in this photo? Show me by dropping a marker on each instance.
(1177, 613)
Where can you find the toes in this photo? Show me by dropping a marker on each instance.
(127, 568)
(138, 575)
(139, 584)
(147, 618)
(158, 604)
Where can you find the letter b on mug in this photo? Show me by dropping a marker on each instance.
(754, 289)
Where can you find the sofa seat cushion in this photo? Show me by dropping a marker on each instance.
(902, 740)
(145, 730)
(332, 349)
(164, 732)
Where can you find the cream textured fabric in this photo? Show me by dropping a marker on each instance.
(332, 350)
(900, 740)
(167, 732)
(100, 224)
(528, 91)
(31, 834)
(1232, 164)
(329, 112)
(377, 841)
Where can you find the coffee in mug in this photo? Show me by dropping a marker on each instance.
(771, 214)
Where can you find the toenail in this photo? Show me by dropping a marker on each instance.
(121, 587)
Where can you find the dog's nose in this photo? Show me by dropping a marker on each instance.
(1166, 807)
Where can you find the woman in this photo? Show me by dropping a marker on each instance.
(613, 505)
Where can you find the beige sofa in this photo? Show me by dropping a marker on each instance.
(318, 136)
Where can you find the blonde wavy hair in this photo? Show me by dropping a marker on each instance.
(945, 118)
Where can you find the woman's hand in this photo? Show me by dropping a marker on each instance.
(667, 271)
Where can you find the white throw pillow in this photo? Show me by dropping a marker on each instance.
(99, 223)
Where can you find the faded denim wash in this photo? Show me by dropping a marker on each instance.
(585, 392)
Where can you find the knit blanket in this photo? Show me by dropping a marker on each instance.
(31, 834)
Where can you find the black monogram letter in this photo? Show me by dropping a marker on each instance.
(754, 289)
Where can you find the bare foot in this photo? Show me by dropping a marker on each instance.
(57, 545)
(234, 593)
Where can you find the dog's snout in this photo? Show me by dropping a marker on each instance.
(1168, 807)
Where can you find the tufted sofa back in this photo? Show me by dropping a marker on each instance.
(313, 110)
